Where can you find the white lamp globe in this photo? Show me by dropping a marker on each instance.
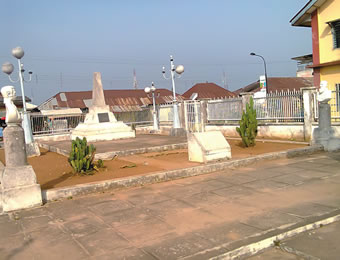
(179, 69)
(18, 52)
(7, 68)
(147, 90)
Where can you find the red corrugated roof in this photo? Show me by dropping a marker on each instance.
(125, 99)
(209, 91)
(279, 84)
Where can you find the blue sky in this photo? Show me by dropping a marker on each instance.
(66, 41)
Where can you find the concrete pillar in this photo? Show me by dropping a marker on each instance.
(325, 134)
(19, 188)
(245, 99)
(308, 111)
(181, 114)
(204, 114)
(324, 116)
(179, 131)
(15, 148)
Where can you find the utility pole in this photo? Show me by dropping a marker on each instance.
(224, 81)
(61, 80)
(135, 85)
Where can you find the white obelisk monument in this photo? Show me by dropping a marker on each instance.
(100, 123)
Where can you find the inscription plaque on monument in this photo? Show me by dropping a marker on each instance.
(103, 117)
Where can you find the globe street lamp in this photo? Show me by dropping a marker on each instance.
(179, 70)
(265, 69)
(8, 68)
(152, 89)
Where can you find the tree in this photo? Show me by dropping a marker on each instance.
(248, 125)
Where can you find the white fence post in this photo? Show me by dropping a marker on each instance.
(308, 109)
(204, 119)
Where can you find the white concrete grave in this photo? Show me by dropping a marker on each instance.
(208, 146)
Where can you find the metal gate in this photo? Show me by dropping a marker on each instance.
(193, 116)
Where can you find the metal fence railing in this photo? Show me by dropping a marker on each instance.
(64, 123)
(134, 117)
(285, 106)
(193, 116)
(54, 124)
(224, 110)
(334, 105)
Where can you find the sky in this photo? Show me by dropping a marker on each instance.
(66, 41)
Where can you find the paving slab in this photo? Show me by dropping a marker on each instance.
(194, 218)
(124, 146)
(275, 254)
(321, 243)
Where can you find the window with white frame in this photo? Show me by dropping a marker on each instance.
(335, 25)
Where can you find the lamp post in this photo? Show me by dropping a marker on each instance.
(152, 89)
(265, 69)
(179, 70)
(8, 68)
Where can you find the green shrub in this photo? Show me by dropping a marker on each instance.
(248, 125)
(82, 156)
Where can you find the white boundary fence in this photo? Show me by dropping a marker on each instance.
(334, 104)
(193, 116)
(224, 110)
(165, 113)
(288, 107)
(285, 106)
(277, 107)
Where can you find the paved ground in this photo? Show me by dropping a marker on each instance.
(193, 218)
(141, 141)
(322, 243)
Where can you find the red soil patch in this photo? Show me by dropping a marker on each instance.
(53, 170)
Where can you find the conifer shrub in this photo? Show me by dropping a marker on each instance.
(248, 125)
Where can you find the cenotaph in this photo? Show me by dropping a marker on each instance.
(19, 187)
(100, 123)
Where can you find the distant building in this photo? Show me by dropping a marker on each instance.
(323, 16)
(119, 100)
(278, 84)
(207, 91)
(17, 101)
(303, 63)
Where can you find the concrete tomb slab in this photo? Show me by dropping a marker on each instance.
(208, 146)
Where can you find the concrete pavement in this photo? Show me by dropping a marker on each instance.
(192, 218)
(140, 144)
(322, 243)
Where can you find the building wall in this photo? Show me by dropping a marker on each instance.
(331, 74)
(329, 11)
(307, 73)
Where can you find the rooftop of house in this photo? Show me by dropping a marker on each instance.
(304, 58)
(303, 16)
(118, 100)
(17, 101)
(207, 91)
(279, 84)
